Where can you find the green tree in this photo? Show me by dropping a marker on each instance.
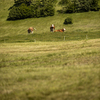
(94, 5)
(64, 2)
(26, 8)
(19, 2)
(81, 6)
(20, 12)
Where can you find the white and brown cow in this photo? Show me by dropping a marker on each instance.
(60, 30)
(52, 28)
(30, 29)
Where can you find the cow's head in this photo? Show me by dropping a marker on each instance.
(52, 25)
(64, 29)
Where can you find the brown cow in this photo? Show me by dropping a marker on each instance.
(30, 29)
(60, 30)
(52, 28)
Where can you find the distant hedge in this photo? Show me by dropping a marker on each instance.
(80, 5)
(22, 10)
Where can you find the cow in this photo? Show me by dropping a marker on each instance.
(30, 29)
(60, 30)
(52, 28)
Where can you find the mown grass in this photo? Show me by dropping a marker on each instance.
(50, 70)
(31, 53)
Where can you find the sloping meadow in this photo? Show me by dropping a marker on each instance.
(50, 66)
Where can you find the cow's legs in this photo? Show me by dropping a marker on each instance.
(28, 31)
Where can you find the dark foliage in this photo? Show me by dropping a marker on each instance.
(20, 12)
(63, 2)
(70, 8)
(19, 2)
(26, 9)
(68, 20)
(80, 6)
(94, 5)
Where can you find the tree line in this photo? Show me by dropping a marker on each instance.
(31, 9)
(41, 8)
(73, 6)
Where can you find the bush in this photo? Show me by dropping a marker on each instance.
(47, 10)
(20, 12)
(38, 13)
(19, 2)
(80, 6)
(68, 20)
(38, 9)
(94, 5)
(70, 8)
(63, 2)
(50, 10)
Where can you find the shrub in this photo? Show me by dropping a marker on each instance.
(38, 13)
(94, 5)
(49, 1)
(20, 12)
(19, 2)
(63, 2)
(68, 20)
(50, 10)
(12, 14)
(38, 9)
(70, 8)
(80, 6)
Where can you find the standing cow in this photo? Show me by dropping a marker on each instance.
(52, 28)
(30, 29)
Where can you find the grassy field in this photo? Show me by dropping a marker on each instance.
(50, 66)
(50, 71)
(83, 24)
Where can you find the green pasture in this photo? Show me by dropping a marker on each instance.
(87, 23)
(46, 65)
(50, 70)
(83, 24)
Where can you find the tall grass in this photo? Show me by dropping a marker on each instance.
(50, 70)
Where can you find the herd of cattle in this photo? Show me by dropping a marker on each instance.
(52, 29)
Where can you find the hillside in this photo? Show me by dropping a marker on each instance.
(87, 23)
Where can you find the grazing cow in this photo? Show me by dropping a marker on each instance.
(30, 29)
(60, 30)
(52, 28)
